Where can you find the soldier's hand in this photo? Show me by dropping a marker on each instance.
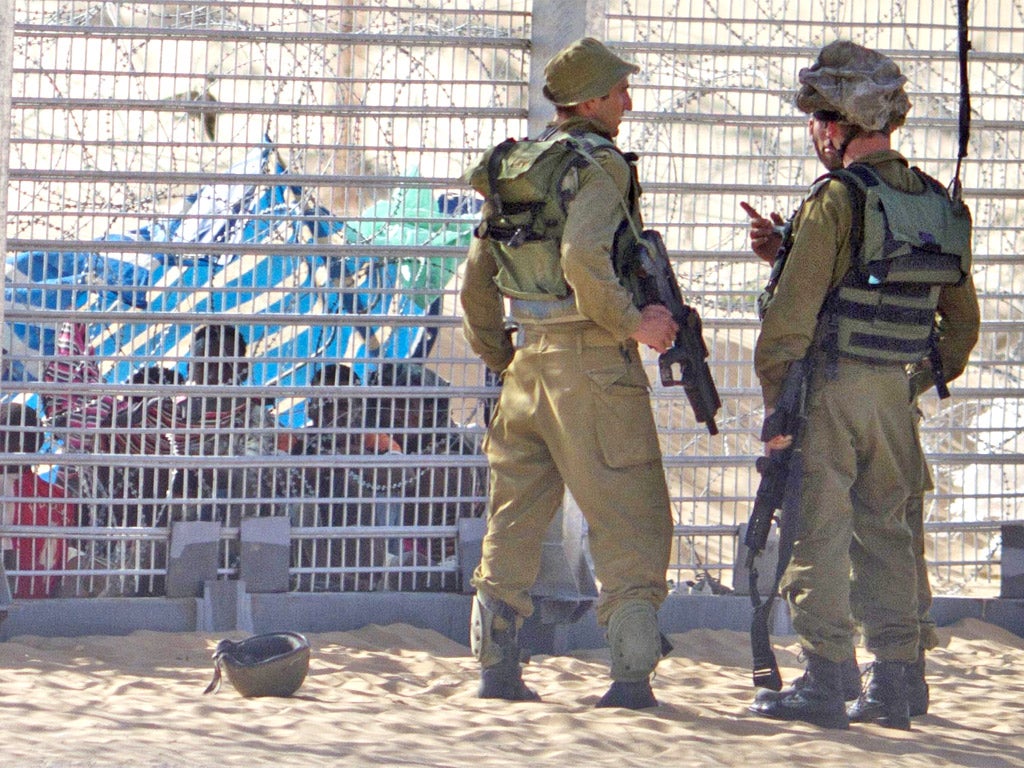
(777, 443)
(657, 328)
(764, 240)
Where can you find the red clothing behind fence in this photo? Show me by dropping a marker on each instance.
(41, 504)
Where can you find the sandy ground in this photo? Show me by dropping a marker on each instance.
(401, 696)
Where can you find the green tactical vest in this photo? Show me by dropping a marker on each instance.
(905, 247)
(529, 184)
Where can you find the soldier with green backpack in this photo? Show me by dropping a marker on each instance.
(876, 281)
(560, 217)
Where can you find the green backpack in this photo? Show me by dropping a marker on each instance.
(529, 185)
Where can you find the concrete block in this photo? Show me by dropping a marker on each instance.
(5, 587)
(224, 607)
(1012, 584)
(565, 570)
(1007, 613)
(471, 540)
(766, 563)
(193, 557)
(265, 553)
(219, 608)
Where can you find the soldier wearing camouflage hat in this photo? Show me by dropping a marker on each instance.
(855, 86)
(574, 410)
(853, 556)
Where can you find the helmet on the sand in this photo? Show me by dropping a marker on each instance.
(263, 665)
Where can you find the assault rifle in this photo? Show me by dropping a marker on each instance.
(778, 497)
(689, 353)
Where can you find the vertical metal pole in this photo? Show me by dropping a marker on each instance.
(6, 76)
(565, 578)
(6, 54)
(556, 23)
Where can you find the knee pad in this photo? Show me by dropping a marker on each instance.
(492, 630)
(634, 641)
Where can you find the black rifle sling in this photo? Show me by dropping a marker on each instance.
(765, 667)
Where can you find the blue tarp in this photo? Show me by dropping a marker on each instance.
(302, 285)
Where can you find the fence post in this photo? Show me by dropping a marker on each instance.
(7, 78)
(556, 23)
(565, 587)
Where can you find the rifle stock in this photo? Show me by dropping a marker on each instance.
(688, 353)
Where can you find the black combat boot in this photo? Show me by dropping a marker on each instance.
(816, 697)
(636, 645)
(884, 699)
(504, 680)
(851, 679)
(635, 695)
(917, 687)
(851, 683)
(494, 638)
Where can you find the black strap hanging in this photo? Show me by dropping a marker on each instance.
(964, 45)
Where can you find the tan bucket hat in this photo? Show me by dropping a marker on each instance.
(586, 69)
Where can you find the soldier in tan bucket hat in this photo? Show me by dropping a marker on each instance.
(574, 410)
(585, 70)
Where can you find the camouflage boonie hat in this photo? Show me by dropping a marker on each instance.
(864, 87)
(585, 70)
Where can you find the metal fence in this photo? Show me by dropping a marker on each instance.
(233, 241)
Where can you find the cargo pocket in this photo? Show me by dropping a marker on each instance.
(622, 416)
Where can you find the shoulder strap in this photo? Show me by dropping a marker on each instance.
(493, 166)
(857, 178)
(577, 143)
(863, 174)
(931, 183)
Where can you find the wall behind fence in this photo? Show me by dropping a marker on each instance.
(234, 233)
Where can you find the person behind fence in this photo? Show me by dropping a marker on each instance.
(419, 424)
(344, 498)
(859, 314)
(235, 423)
(138, 492)
(574, 409)
(767, 236)
(389, 493)
(28, 500)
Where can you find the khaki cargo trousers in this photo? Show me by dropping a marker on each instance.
(862, 465)
(575, 412)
